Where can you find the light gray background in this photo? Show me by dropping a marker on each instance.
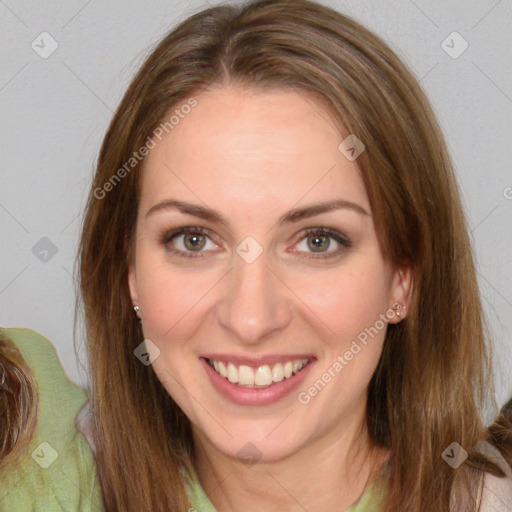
(55, 112)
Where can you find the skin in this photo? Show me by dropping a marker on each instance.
(252, 156)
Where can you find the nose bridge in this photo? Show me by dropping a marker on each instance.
(254, 303)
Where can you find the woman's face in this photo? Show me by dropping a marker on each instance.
(254, 285)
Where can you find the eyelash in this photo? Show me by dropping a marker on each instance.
(166, 238)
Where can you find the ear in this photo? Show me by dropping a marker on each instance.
(401, 291)
(132, 284)
(132, 278)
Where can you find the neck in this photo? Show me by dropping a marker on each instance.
(329, 474)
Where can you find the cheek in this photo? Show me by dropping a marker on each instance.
(351, 313)
(167, 294)
(349, 300)
(170, 300)
(355, 313)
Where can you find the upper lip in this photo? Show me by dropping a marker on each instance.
(269, 359)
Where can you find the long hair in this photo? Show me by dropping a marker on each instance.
(434, 377)
(19, 402)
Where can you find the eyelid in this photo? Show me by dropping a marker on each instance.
(166, 236)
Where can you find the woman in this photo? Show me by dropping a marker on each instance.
(327, 335)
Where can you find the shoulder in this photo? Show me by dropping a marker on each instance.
(59, 398)
(30, 342)
(496, 492)
(58, 466)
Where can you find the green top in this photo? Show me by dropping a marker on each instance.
(368, 502)
(57, 473)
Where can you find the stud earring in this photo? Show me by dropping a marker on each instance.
(137, 310)
(397, 307)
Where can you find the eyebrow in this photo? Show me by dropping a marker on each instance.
(294, 215)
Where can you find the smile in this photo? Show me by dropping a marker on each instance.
(257, 377)
(256, 383)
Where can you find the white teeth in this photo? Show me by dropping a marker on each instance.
(263, 376)
(232, 373)
(277, 373)
(222, 369)
(245, 375)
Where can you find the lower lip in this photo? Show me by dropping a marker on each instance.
(261, 396)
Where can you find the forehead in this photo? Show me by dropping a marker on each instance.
(245, 148)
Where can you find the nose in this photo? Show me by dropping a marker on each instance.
(255, 304)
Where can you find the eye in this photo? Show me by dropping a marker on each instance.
(317, 239)
(193, 239)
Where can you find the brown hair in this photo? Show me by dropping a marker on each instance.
(435, 374)
(19, 404)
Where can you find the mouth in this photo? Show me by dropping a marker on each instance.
(256, 383)
(257, 377)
